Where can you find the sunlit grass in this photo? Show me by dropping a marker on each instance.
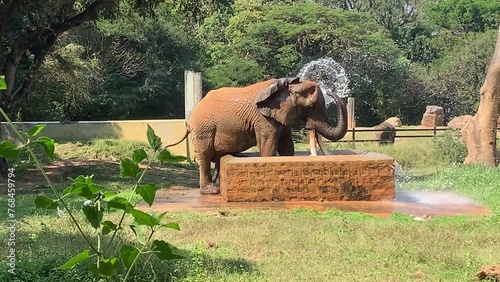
(295, 245)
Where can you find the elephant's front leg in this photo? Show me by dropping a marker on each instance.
(268, 144)
(285, 144)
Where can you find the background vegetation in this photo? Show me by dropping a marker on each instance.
(400, 55)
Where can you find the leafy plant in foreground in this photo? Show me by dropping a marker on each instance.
(98, 202)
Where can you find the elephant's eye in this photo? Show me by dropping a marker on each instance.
(311, 106)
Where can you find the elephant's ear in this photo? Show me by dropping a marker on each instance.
(268, 100)
(274, 87)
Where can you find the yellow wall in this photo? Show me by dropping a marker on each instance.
(170, 131)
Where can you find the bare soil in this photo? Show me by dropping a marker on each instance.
(59, 171)
(489, 273)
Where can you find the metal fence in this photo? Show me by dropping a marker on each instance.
(434, 131)
(351, 137)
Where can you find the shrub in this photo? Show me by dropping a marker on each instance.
(449, 147)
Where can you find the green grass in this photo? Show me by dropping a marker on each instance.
(295, 245)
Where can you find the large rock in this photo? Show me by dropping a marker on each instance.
(458, 122)
(433, 116)
(395, 121)
(388, 133)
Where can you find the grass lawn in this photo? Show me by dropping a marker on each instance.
(295, 245)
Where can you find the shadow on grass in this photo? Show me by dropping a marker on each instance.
(38, 254)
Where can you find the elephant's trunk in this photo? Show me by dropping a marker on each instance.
(329, 132)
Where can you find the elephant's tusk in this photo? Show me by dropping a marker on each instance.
(322, 145)
(312, 142)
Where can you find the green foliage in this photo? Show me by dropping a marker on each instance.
(97, 205)
(399, 55)
(455, 79)
(3, 85)
(8, 150)
(466, 15)
(450, 147)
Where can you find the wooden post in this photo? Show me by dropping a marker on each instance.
(354, 137)
(351, 121)
(192, 96)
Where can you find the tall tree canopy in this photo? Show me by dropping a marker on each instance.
(29, 30)
(125, 59)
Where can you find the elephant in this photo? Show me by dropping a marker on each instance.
(230, 120)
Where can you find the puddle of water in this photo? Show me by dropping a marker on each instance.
(408, 202)
(432, 198)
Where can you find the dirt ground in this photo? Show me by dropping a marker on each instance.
(59, 171)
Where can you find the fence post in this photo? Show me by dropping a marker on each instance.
(354, 137)
(351, 121)
(192, 96)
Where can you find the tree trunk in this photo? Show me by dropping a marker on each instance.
(480, 131)
(4, 166)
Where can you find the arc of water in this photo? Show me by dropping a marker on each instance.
(329, 74)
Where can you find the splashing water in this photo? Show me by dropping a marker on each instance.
(329, 75)
(445, 197)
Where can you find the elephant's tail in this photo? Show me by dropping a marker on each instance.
(185, 136)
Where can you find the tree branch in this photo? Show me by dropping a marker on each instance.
(44, 39)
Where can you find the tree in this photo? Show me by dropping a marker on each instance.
(29, 30)
(480, 132)
(463, 16)
(278, 40)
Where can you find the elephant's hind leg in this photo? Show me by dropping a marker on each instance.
(204, 150)
(207, 187)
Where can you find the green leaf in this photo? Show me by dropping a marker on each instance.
(139, 155)
(48, 145)
(172, 225)
(36, 129)
(163, 251)
(75, 260)
(119, 203)
(93, 215)
(107, 267)
(153, 140)
(139, 233)
(166, 156)
(8, 150)
(109, 194)
(143, 218)
(160, 217)
(86, 190)
(83, 179)
(108, 226)
(43, 202)
(128, 168)
(66, 191)
(3, 85)
(147, 192)
(128, 255)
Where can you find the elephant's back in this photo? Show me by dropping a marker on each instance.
(227, 102)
